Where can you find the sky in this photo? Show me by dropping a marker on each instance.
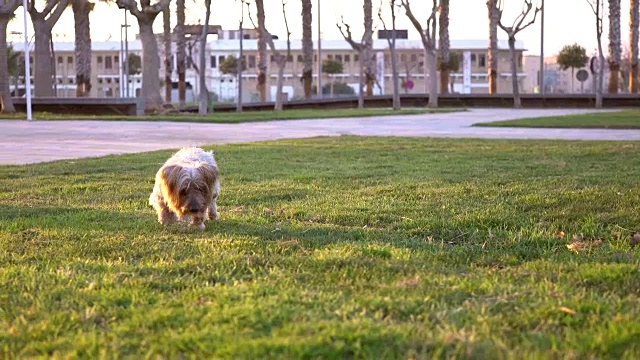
(566, 21)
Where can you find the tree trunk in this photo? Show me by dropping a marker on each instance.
(615, 46)
(492, 53)
(5, 91)
(444, 46)
(204, 93)
(514, 73)
(166, 27)
(433, 75)
(43, 72)
(150, 67)
(600, 74)
(262, 53)
(282, 62)
(367, 39)
(360, 80)
(81, 10)
(572, 78)
(181, 54)
(307, 48)
(634, 25)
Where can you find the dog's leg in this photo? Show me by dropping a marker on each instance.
(165, 216)
(212, 210)
(198, 221)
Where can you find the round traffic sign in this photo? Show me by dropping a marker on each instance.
(582, 75)
(409, 84)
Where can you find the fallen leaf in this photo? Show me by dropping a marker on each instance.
(565, 309)
(560, 235)
(576, 246)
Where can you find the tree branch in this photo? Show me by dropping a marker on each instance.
(427, 38)
(10, 7)
(348, 36)
(132, 6)
(55, 15)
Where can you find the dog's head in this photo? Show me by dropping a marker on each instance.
(188, 190)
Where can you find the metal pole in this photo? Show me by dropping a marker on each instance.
(239, 104)
(126, 52)
(542, 50)
(121, 63)
(319, 55)
(27, 61)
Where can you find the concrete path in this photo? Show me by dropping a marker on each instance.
(23, 142)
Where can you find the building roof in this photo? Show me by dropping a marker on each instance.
(251, 44)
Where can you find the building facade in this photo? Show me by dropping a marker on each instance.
(107, 67)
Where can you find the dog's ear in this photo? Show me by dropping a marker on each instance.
(170, 175)
(209, 174)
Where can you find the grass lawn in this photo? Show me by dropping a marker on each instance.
(331, 248)
(627, 119)
(246, 116)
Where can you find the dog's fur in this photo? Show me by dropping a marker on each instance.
(187, 188)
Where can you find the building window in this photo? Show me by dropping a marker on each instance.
(300, 59)
(107, 62)
(273, 58)
(69, 59)
(252, 61)
(356, 57)
(414, 57)
(115, 60)
(482, 60)
(330, 57)
(214, 63)
(339, 58)
(59, 59)
(473, 57)
(99, 59)
(220, 59)
(403, 57)
(315, 58)
(290, 58)
(347, 58)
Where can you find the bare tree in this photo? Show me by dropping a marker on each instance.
(43, 22)
(7, 9)
(181, 54)
(513, 30)
(428, 37)
(492, 53)
(204, 93)
(280, 58)
(615, 45)
(597, 6)
(392, 50)
(360, 48)
(307, 48)
(166, 39)
(146, 15)
(444, 46)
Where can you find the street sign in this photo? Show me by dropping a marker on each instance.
(409, 84)
(582, 75)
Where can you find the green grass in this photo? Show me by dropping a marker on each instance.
(246, 116)
(627, 119)
(346, 247)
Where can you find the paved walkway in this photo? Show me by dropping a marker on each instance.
(23, 142)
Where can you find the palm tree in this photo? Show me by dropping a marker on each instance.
(6, 13)
(181, 54)
(81, 10)
(634, 23)
(307, 48)
(444, 46)
(43, 22)
(492, 53)
(367, 50)
(615, 45)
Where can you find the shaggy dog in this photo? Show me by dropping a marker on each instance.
(186, 188)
